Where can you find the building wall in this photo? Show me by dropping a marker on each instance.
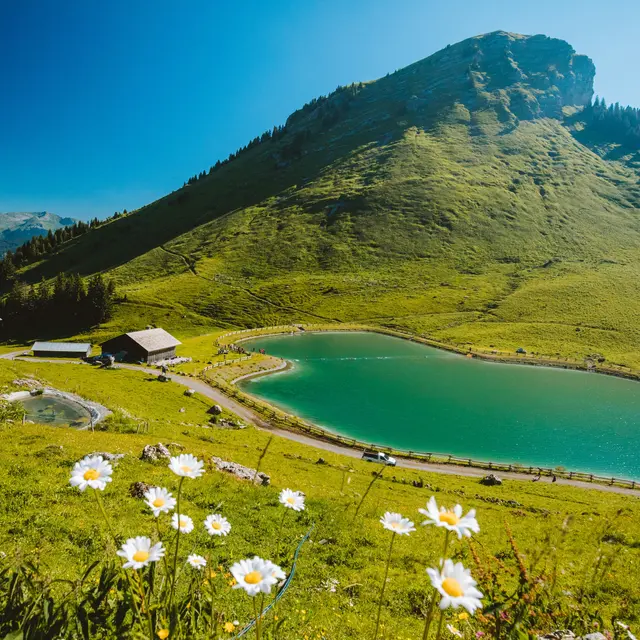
(134, 351)
(165, 354)
(60, 354)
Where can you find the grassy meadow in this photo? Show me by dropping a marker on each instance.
(580, 548)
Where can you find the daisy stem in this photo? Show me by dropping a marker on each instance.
(439, 634)
(164, 557)
(427, 625)
(145, 608)
(258, 617)
(384, 584)
(175, 556)
(115, 542)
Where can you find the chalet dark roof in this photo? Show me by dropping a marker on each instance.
(154, 339)
(76, 347)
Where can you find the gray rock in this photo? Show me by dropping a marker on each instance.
(216, 410)
(491, 480)
(138, 489)
(111, 457)
(558, 635)
(155, 452)
(594, 636)
(241, 472)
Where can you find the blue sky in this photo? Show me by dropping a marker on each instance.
(106, 106)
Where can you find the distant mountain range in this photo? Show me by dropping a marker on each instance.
(18, 227)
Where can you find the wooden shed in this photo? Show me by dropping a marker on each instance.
(61, 349)
(150, 345)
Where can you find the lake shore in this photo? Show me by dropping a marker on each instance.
(284, 418)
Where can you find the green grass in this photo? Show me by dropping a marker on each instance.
(43, 518)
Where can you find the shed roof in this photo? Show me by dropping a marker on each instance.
(79, 347)
(154, 339)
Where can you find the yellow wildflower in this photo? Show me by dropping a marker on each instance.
(163, 633)
(463, 616)
(229, 627)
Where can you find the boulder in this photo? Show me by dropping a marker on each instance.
(138, 489)
(491, 481)
(216, 410)
(594, 636)
(111, 457)
(153, 452)
(321, 461)
(189, 392)
(241, 472)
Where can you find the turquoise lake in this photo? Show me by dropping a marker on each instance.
(389, 391)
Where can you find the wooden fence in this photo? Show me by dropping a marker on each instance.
(226, 362)
(286, 421)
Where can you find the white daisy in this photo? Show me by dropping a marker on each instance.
(453, 631)
(457, 587)
(276, 571)
(396, 523)
(255, 575)
(91, 471)
(184, 524)
(453, 520)
(160, 500)
(217, 525)
(196, 561)
(292, 499)
(186, 465)
(138, 552)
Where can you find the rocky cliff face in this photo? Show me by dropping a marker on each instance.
(522, 76)
(16, 228)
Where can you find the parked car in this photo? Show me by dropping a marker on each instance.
(379, 457)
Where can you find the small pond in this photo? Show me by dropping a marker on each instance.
(54, 410)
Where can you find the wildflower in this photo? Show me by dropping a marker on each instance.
(229, 627)
(276, 571)
(454, 631)
(186, 465)
(457, 587)
(217, 525)
(196, 561)
(163, 634)
(463, 616)
(159, 500)
(184, 524)
(92, 471)
(138, 552)
(292, 499)
(255, 575)
(452, 520)
(396, 523)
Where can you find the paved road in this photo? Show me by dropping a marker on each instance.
(254, 419)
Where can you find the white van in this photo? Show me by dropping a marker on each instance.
(379, 457)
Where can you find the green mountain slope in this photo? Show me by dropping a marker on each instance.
(16, 228)
(461, 197)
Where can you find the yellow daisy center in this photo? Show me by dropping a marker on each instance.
(91, 474)
(185, 468)
(183, 523)
(291, 500)
(158, 502)
(216, 525)
(450, 518)
(395, 525)
(141, 556)
(452, 587)
(253, 578)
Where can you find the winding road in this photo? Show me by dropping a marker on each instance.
(257, 421)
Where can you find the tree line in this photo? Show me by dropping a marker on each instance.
(66, 305)
(620, 124)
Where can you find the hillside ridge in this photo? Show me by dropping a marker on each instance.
(458, 197)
